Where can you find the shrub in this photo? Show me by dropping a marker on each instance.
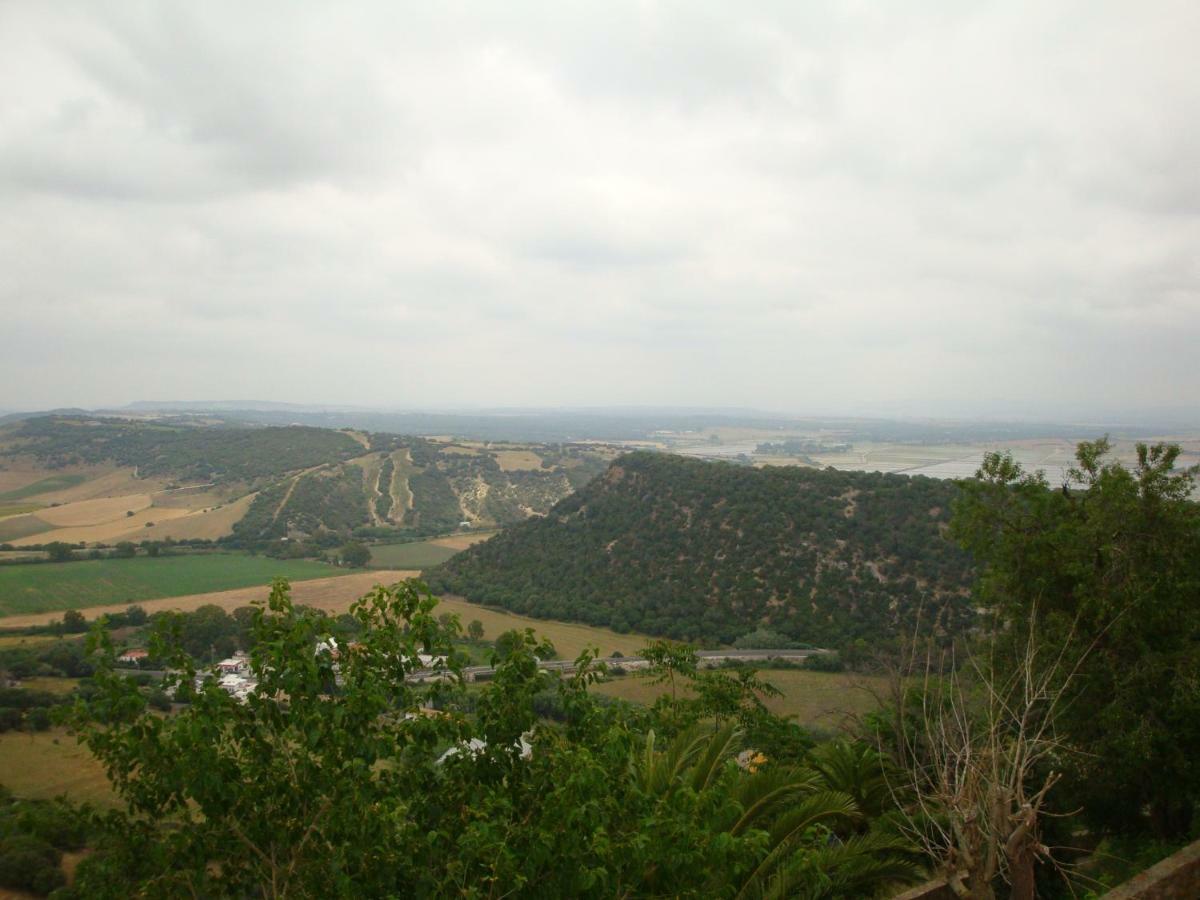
(28, 863)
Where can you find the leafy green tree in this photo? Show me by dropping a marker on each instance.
(1109, 568)
(475, 630)
(59, 551)
(329, 781)
(135, 616)
(125, 550)
(74, 621)
(355, 554)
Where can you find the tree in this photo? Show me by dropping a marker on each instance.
(355, 554)
(74, 621)
(1110, 561)
(125, 550)
(135, 616)
(475, 630)
(328, 781)
(60, 551)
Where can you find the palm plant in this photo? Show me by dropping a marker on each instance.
(792, 819)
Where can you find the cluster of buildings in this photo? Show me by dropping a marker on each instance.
(235, 676)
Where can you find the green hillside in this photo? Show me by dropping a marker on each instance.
(709, 551)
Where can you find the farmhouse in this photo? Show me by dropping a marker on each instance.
(134, 656)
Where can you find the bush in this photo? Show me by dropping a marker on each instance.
(37, 719)
(10, 719)
(28, 863)
(824, 662)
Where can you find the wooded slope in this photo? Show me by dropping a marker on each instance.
(709, 551)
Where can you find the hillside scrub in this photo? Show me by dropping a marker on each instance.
(710, 551)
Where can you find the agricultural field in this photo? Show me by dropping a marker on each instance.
(333, 594)
(569, 638)
(422, 554)
(28, 589)
(816, 699)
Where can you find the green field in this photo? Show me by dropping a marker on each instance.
(415, 555)
(53, 483)
(49, 587)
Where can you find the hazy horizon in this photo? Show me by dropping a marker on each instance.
(964, 212)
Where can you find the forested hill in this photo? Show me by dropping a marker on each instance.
(710, 551)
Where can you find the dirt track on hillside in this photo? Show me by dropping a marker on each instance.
(330, 594)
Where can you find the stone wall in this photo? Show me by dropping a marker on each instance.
(1175, 878)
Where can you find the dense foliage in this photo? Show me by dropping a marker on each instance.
(1109, 569)
(208, 454)
(709, 551)
(337, 778)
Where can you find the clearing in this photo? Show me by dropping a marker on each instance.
(423, 554)
(42, 588)
(518, 460)
(42, 765)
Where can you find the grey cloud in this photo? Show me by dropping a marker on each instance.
(812, 205)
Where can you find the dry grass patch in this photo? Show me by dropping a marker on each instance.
(43, 765)
(569, 638)
(518, 460)
(821, 699)
(117, 530)
(95, 512)
(208, 524)
(462, 541)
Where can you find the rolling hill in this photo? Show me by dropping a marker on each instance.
(87, 479)
(710, 551)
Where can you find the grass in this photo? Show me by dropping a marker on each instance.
(17, 527)
(415, 555)
(50, 684)
(50, 587)
(568, 638)
(11, 641)
(45, 764)
(45, 486)
(15, 509)
(820, 699)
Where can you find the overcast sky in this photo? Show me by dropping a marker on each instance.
(944, 208)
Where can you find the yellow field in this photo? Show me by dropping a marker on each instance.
(42, 765)
(518, 460)
(568, 638)
(95, 512)
(116, 530)
(462, 541)
(330, 594)
(207, 524)
(106, 483)
(822, 699)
